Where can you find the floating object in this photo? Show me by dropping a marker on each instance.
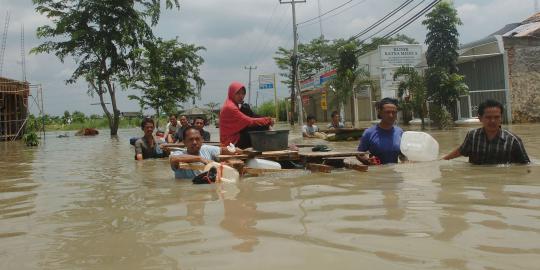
(344, 134)
(225, 173)
(87, 132)
(419, 146)
(418, 121)
(269, 140)
(257, 163)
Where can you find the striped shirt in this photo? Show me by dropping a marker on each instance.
(506, 147)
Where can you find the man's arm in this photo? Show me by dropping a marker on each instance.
(138, 150)
(454, 154)
(174, 160)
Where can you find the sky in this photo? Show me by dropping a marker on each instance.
(236, 34)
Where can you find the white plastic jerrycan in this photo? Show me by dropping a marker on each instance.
(258, 163)
(419, 146)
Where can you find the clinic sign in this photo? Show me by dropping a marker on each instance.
(392, 57)
(400, 55)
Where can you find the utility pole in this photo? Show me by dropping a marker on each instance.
(320, 18)
(249, 84)
(294, 60)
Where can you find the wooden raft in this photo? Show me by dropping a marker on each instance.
(270, 155)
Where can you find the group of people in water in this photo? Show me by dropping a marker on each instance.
(489, 144)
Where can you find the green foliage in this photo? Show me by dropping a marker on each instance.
(412, 91)
(30, 136)
(269, 109)
(168, 73)
(320, 54)
(104, 38)
(443, 83)
(442, 37)
(78, 117)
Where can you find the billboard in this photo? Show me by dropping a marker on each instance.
(393, 57)
(266, 81)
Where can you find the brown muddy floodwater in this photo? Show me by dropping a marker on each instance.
(84, 203)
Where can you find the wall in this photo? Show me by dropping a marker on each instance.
(524, 71)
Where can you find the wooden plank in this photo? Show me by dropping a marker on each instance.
(342, 130)
(330, 154)
(354, 164)
(313, 167)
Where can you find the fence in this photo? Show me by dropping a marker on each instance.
(467, 107)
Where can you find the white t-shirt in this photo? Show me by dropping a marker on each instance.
(173, 128)
(310, 130)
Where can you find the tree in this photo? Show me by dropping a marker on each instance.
(78, 117)
(168, 73)
(103, 37)
(66, 119)
(442, 37)
(412, 91)
(444, 85)
(212, 107)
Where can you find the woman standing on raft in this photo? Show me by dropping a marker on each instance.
(236, 119)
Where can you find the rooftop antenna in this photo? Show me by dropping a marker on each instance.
(23, 55)
(4, 38)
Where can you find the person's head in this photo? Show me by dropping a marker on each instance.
(172, 120)
(192, 140)
(147, 125)
(237, 92)
(184, 121)
(160, 133)
(198, 122)
(387, 109)
(335, 117)
(490, 114)
(310, 120)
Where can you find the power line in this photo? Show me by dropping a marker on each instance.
(333, 15)
(250, 58)
(317, 17)
(394, 21)
(383, 19)
(414, 18)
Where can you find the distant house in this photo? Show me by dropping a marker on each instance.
(194, 112)
(504, 66)
(13, 108)
(131, 114)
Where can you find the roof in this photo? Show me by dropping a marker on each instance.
(528, 27)
(195, 111)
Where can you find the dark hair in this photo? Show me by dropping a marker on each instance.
(310, 117)
(199, 117)
(172, 115)
(184, 132)
(334, 113)
(147, 120)
(380, 104)
(489, 103)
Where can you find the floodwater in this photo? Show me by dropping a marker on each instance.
(84, 203)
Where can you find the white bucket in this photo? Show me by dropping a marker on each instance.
(257, 163)
(419, 146)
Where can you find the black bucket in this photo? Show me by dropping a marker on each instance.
(269, 140)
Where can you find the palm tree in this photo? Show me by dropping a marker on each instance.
(412, 91)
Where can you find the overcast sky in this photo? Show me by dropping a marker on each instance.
(236, 33)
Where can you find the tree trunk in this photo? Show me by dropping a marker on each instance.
(157, 118)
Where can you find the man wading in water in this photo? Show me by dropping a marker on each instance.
(491, 144)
